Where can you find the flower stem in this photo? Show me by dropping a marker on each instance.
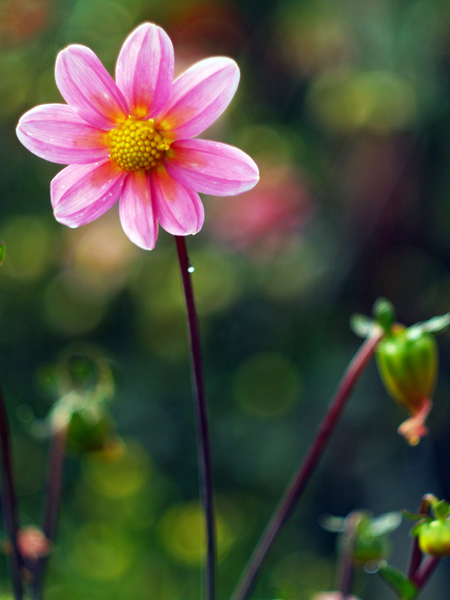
(301, 477)
(426, 570)
(52, 502)
(8, 499)
(416, 553)
(346, 569)
(204, 448)
(54, 481)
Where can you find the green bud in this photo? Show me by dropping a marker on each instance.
(368, 536)
(88, 431)
(370, 548)
(434, 537)
(408, 366)
(407, 361)
(433, 532)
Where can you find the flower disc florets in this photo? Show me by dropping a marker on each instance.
(137, 146)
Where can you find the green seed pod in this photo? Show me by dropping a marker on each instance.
(408, 366)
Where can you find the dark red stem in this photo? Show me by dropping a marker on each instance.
(301, 478)
(204, 447)
(346, 570)
(52, 499)
(424, 573)
(54, 481)
(416, 553)
(9, 500)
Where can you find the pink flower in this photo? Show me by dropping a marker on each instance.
(133, 139)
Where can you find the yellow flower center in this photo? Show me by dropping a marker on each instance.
(137, 146)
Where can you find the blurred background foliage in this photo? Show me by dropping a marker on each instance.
(345, 107)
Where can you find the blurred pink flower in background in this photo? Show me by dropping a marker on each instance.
(22, 20)
(133, 138)
(32, 543)
(271, 213)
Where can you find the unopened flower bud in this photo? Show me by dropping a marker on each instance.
(89, 431)
(407, 362)
(434, 537)
(433, 530)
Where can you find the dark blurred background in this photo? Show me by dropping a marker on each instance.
(345, 107)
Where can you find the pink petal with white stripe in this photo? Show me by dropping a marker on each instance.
(211, 167)
(179, 210)
(137, 214)
(198, 97)
(88, 87)
(55, 132)
(82, 193)
(144, 70)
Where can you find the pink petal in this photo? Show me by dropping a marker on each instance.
(137, 215)
(82, 193)
(144, 70)
(55, 132)
(199, 96)
(88, 87)
(179, 210)
(211, 167)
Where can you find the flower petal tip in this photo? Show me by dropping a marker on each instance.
(414, 429)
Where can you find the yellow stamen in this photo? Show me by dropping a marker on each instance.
(137, 146)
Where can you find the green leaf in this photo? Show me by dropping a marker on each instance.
(412, 516)
(2, 253)
(385, 523)
(333, 524)
(397, 581)
(441, 510)
(361, 325)
(433, 325)
(418, 526)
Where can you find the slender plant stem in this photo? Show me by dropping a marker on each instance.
(346, 570)
(54, 481)
(52, 499)
(9, 500)
(426, 570)
(416, 553)
(204, 447)
(301, 477)
(346, 574)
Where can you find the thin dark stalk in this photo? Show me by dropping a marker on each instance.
(54, 481)
(52, 499)
(9, 500)
(346, 570)
(203, 443)
(301, 477)
(426, 571)
(346, 575)
(416, 553)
